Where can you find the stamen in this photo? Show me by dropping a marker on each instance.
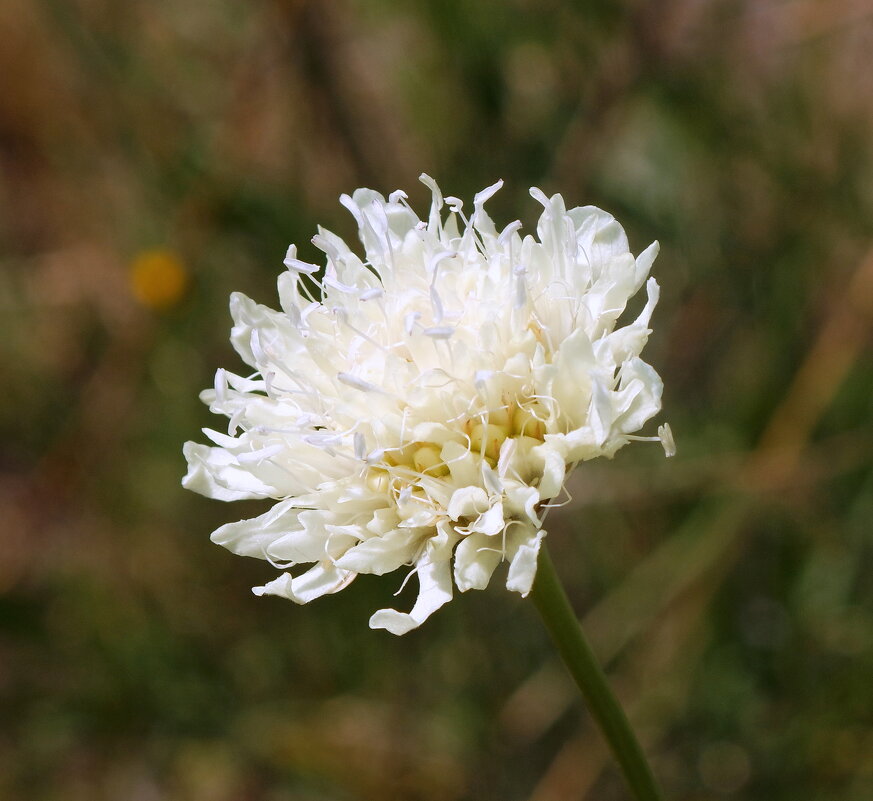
(220, 385)
(358, 383)
(507, 232)
(260, 455)
(665, 433)
(439, 332)
(295, 265)
(409, 322)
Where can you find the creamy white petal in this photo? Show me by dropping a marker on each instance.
(462, 464)
(521, 502)
(379, 555)
(254, 537)
(322, 579)
(216, 473)
(549, 462)
(571, 384)
(466, 502)
(476, 557)
(313, 539)
(639, 399)
(490, 522)
(523, 567)
(435, 588)
(644, 264)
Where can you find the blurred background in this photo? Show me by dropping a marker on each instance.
(155, 156)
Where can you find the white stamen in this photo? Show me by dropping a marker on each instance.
(357, 383)
(520, 293)
(486, 194)
(220, 385)
(260, 455)
(336, 284)
(255, 344)
(360, 445)
(439, 332)
(295, 265)
(323, 440)
(375, 456)
(507, 232)
(410, 320)
(540, 196)
(665, 434)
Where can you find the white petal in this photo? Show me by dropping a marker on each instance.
(435, 580)
(491, 522)
(322, 579)
(253, 537)
(578, 445)
(644, 264)
(380, 555)
(571, 386)
(466, 502)
(552, 467)
(476, 557)
(522, 500)
(252, 323)
(599, 236)
(639, 398)
(653, 293)
(523, 567)
(601, 412)
(315, 538)
(462, 464)
(383, 521)
(215, 473)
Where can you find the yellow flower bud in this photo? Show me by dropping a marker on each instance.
(527, 421)
(492, 436)
(427, 459)
(158, 279)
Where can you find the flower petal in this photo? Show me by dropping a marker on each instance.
(216, 473)
(550, 463)
(253, 537)
(322, 579)
(523, 567)
(435, 580)
(379, 555)
(476, 557)
(466, 502)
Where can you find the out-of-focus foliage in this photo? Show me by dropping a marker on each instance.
(157, 155)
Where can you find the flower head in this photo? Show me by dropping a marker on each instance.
(423, 407)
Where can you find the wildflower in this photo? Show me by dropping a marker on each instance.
(158, 278)
(424, 408)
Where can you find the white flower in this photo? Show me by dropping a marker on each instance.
(422, 408)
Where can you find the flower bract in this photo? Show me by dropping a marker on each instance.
(419, 405)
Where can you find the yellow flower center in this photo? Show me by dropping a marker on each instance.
(417, 460)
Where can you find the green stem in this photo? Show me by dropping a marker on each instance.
(554, 607)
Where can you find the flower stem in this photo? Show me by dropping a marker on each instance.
(554, 607)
